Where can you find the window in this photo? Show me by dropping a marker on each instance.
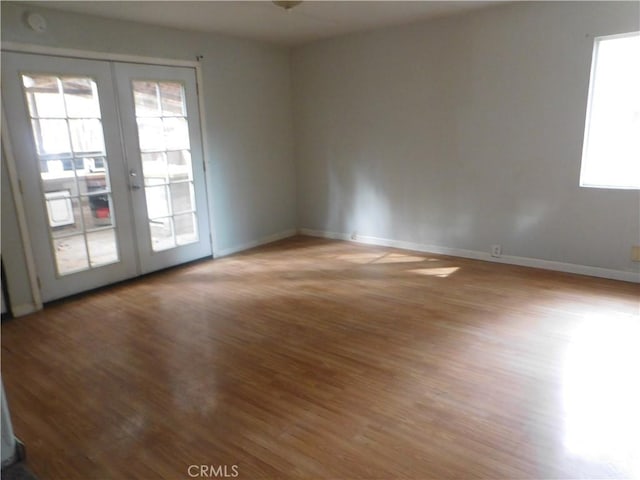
(163, 134)
(611, 151)
(67, 127)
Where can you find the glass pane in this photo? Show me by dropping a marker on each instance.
(92, 174)
(86, 135)
(96, 211)
(186, 228)
(103, 248)
(63, 212)
(145, 98)
(150, 134)
(51, 136)
(90, 178)
(43, 96)
(57, 179)
(176, 132)
(172, 98)
(76, 188)
(167, 166)
(179, 164)
(81, 97)
(157, 201)
(154, 168)
(71, 254)
(55, 163)
(161, 234)
(182, 197)
(611, 154)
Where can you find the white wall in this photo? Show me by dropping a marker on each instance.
(462, 132)
(248, 109)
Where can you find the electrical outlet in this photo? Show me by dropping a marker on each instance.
(354, 235)
(496, 250)
(635, 253)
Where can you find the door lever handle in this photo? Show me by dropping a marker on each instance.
(133, 183)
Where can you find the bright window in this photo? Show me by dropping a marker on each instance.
(611, 151)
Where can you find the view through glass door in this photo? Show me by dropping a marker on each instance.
(104, 206)
(161, 131)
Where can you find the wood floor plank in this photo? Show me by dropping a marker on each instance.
(311, 358)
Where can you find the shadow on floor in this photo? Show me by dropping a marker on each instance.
(18, 471)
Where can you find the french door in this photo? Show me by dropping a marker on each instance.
(109, 157)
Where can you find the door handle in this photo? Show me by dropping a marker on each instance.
(134, 184)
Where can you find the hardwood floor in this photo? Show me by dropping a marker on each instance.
(311, 358)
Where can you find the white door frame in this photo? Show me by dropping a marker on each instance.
(10, 160)
(21, 217)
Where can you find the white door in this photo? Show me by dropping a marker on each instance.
(63, 123)
(163, 145)
(100, 208)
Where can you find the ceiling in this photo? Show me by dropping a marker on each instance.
(262, 20)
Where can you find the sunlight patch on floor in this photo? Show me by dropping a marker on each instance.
(442, 272)
(399, 258)
(365, 257)
(601, 392)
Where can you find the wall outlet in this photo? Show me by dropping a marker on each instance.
(354, 235)
(496, 250)
(635, 253)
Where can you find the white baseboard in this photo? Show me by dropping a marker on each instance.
(477, 255)
(24, 309)
(256, 243)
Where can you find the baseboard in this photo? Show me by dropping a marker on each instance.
(256, 243)
(477, 255)
(24, 309)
